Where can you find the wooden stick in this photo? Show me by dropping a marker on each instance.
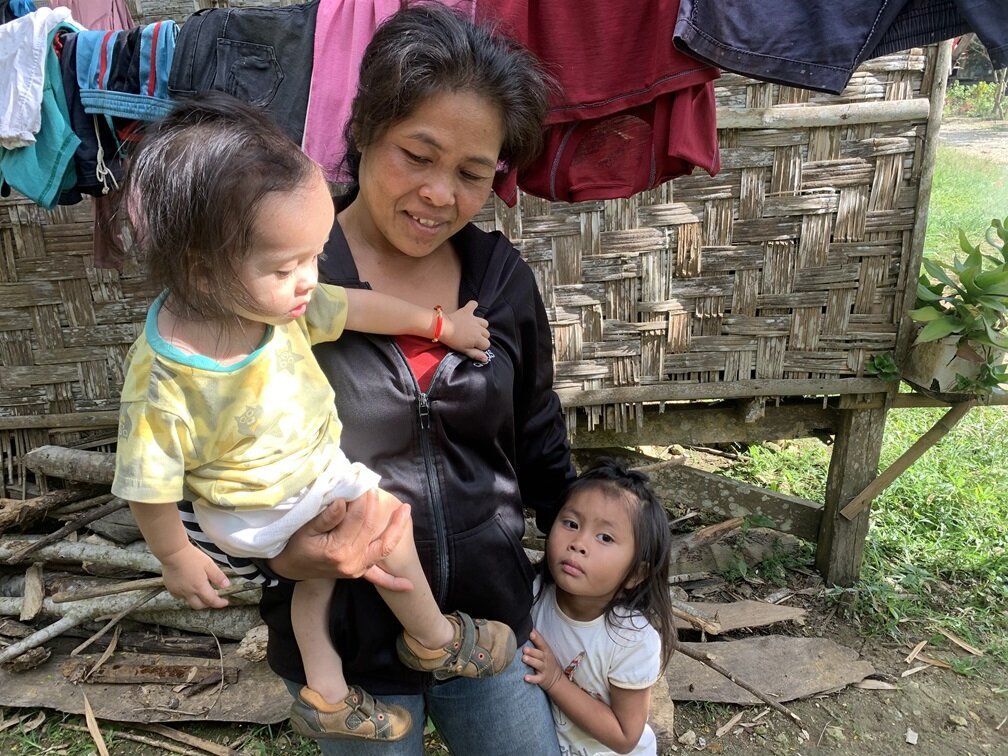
(109, 505)
(772, 702)
(26, 511)
(123, 735)
(71, 464)
(62, 597)
(695, 617)
(116, 618)
(911, 455)
(47, 633)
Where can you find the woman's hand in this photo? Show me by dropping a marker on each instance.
(191, 575)
(542, 659)
(466, 333)
(347, 540)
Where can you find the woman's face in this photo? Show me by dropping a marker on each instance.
(428, 175)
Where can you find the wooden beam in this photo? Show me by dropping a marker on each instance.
(695, 425)
(671, 391)
(804, 115)
(732, 498)
(935, 434)
(853, 465)
(64, 421)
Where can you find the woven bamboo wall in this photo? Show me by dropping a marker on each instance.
(778, 276)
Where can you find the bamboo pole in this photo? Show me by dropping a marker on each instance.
(911, 455)
(804, 115)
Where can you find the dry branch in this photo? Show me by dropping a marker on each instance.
(111, 504)
(71, 464)
(766, 698)
(28, 511)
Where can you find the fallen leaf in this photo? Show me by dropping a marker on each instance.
(726, 727)
(92, 725)
(933, 661)
(961, 643)
(870, 684)
(911, 737)
(915, 670)
(34, 722)
(916, 650)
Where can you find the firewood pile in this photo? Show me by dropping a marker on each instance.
(78, 584)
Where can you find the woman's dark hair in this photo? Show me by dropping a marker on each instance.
(650, 597)
(426, 50)
(191, 196)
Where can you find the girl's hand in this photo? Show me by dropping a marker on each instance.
(542, 659)
(191, 575)
(465, 333)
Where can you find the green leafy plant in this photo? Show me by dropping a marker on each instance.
(883, 366)
(968, 298)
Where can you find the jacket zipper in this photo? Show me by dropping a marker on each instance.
(440, 587)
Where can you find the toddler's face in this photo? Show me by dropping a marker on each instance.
(281, 272)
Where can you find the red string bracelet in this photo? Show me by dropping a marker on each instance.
(438, 322)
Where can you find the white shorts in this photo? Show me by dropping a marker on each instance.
(263, 533)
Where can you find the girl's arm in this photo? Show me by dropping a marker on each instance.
(618, 725)
(374, 312)
(188, 573)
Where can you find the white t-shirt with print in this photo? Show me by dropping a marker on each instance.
(596, 655)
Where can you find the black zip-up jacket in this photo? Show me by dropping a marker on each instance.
(483, 442)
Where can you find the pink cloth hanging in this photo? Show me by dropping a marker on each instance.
(343, 29)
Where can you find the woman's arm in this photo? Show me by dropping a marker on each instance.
(373, 312)
(617, 725)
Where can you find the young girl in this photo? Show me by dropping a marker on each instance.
(224, 405)
(603, 620)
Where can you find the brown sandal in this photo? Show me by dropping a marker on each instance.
(480, 648)
(360, 717)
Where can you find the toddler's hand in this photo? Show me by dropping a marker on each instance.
(542, 659)
(466, 333)
(191, 575)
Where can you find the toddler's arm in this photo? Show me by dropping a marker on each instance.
(188, 573)
(618, 726)
(374, 312)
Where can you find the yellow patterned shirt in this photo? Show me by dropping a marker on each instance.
(240, 436)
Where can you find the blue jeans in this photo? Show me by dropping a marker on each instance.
(498, 716)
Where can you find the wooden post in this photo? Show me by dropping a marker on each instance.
(853, 465)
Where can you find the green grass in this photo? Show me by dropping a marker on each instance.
(936, 555)
(967, 192)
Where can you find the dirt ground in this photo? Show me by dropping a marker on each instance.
(985, 138)
(951, 714)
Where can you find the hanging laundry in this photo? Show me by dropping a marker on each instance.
(44, 169)
(111, 15)
(342, 31)
(819, 45)
(11, 9)
(25, 44)
(259, 55)
(125, 73)
(633, 112)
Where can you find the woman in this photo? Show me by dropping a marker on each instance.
(441, 106)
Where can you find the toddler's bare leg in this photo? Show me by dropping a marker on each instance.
(310, 618)
(416, 610)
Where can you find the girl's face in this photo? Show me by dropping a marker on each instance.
(591, 550)
(428, 175)
(281, 271)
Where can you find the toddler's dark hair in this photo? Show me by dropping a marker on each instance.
(192, 192)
